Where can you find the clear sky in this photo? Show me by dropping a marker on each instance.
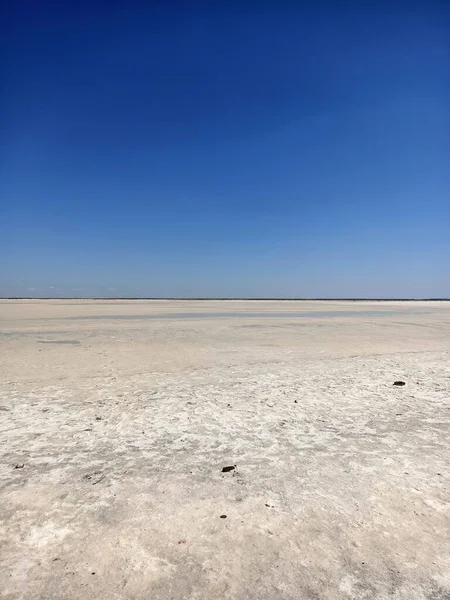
(225, 149)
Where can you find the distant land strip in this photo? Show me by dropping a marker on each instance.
(225, 298)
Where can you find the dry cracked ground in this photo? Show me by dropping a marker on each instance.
(119, 417)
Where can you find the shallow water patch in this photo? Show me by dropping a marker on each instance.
(248, 315)
(71, 342)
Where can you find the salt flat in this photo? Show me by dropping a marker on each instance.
(117, 418)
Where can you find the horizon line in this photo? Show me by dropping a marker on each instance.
(259, 298)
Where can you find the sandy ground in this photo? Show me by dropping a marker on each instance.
(118, 417)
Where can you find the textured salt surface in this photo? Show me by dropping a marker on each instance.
(112, 481)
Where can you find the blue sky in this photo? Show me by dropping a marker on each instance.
(225, 149)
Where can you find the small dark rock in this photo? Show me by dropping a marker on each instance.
(228, 469)
(399, 383)
(223, 516)
(98, 418)
(19, 466)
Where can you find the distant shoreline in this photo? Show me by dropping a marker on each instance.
(231, 298)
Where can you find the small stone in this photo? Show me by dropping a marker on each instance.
(19, 466)
(223, 516)
(399, 383)
(228, 468)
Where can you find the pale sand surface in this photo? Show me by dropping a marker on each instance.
(341, 487)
